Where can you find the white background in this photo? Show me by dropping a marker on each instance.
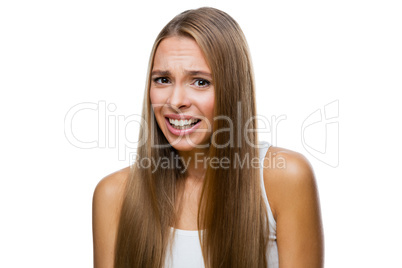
(307, 54)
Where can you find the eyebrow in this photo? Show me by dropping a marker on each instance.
(188, 72)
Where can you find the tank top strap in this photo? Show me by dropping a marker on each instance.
(263, 149)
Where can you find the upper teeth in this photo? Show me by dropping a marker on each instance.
(182, 122)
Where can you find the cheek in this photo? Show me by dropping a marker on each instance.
(156, 99)
(158, 96)
(153, 96)
(209, 106)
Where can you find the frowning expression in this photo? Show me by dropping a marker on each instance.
(182, 93)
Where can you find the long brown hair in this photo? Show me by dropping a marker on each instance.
(232, 213)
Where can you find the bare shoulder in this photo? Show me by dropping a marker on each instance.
(286, 162)
(293, 196)
(112, 185)
(287, 174)
(106, 205)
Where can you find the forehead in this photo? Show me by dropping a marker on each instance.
(179, 52)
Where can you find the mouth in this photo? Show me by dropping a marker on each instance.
(182, 124)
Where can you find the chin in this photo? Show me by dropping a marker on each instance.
(186, 146)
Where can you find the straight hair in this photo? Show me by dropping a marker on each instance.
(232, 216)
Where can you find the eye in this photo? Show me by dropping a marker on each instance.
(161, 80)
(202, 83)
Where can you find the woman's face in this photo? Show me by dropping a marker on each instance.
(182, 93)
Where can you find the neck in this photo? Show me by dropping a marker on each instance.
(195, 163)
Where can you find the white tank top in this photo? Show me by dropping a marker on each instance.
(186, 248)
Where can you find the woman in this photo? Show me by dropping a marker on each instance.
(194, 198)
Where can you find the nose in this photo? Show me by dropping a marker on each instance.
(179, 98)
